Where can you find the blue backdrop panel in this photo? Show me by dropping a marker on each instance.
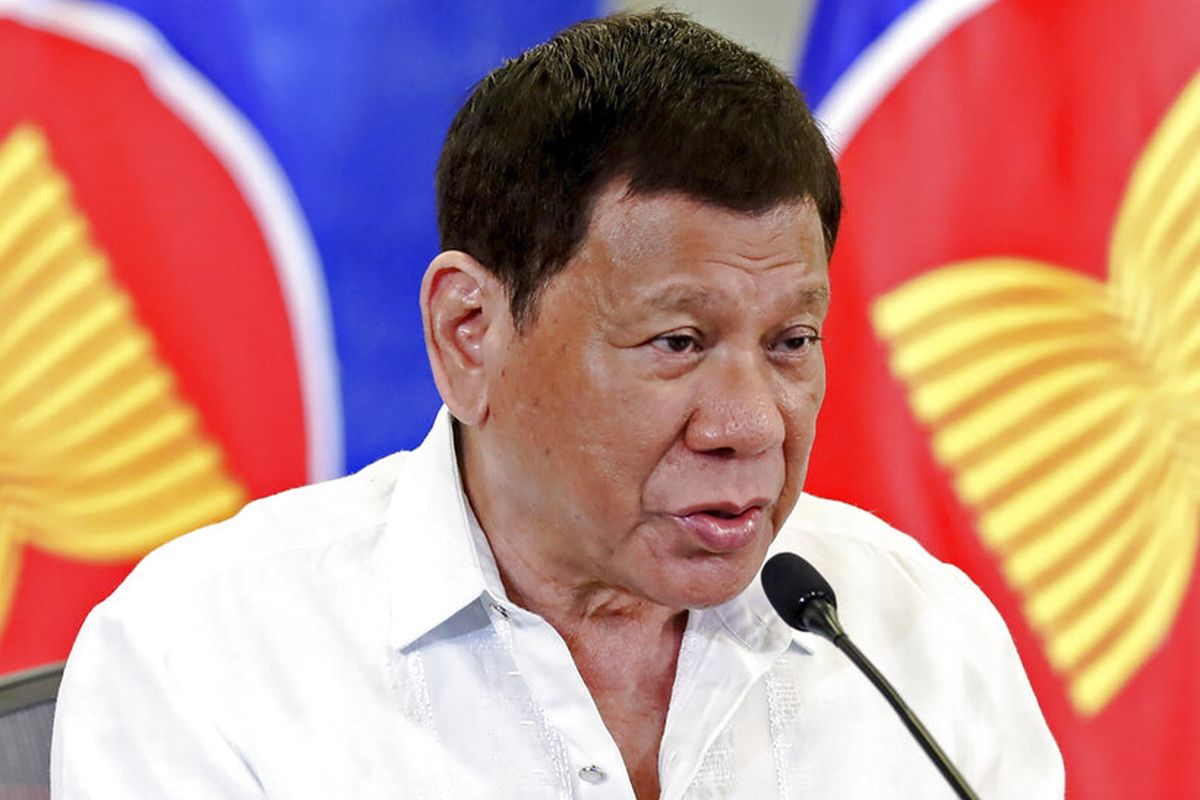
(354, 98)
(839, 32)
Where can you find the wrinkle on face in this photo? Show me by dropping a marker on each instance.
(597, 444)
(637, 233)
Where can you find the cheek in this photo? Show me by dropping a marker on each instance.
(632, 433)
(592, 432)
(634, 411)
(800, 399)
(801, 409)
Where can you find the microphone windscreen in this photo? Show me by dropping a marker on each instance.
(790, 582)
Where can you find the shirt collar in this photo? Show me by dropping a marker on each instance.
(750, 618)
(441, 560)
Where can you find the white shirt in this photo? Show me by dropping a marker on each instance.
(353, 640)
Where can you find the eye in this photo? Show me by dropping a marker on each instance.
(797, 341)
(676, 343)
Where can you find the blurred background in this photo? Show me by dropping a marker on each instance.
(214, 218)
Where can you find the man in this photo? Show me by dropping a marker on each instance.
(555, 595)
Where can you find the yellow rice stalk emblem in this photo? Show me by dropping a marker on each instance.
(1068, 412)
(99, 457)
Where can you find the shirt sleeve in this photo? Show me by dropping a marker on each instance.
(125, 726)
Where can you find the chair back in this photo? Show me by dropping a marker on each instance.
(26, 717)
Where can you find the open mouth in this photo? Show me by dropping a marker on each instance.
(723, 529)
(724, 511)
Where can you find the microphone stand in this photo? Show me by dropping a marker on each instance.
(820, 617)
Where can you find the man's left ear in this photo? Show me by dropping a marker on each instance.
(460, 303)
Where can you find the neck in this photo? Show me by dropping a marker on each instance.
(625, 646)
(547, 582)
(575, 607)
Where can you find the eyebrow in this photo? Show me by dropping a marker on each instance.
(815, 296)
(683, 297)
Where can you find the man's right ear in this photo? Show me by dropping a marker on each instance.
(461, 301)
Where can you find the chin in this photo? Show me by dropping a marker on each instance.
(708, 584)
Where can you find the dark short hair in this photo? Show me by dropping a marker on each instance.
(655, 99)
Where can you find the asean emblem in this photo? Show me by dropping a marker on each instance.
(107, 480)
(1013, 347)
(1068, 411)
(165, 351)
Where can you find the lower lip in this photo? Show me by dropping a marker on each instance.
(718, 535)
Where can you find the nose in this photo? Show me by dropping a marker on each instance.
(738, 410)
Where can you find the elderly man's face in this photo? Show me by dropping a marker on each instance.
(652, 424)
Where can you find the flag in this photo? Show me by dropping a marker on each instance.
(214, 218)
(1013, 348)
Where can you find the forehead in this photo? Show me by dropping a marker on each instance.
(660, 247)
(631, 226)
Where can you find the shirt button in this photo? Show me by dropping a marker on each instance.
(499, 609)
(591, 774)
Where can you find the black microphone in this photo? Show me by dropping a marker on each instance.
(806, 601)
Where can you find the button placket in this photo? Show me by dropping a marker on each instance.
(544, 659)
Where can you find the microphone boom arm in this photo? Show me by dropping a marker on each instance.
(821, 618)
(805, 601)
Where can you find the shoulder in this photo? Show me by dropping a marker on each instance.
(853, 526)
(847, 537)
(885, 577)
(267, 533)
(299, 572)
(935, 634)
